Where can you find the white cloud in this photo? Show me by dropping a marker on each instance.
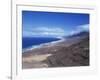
(44, 31)
(54, 32)
(48, 29)
(80, 28)
(84, 27)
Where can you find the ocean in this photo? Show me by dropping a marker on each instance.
(29, 42)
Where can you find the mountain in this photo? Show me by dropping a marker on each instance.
(72, 51)
(77, 54)
(74, 55)
(80, 34)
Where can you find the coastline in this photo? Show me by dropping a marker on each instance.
(68, 52)
(42, 45)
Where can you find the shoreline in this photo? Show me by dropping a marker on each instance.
(73, 52)
(42, 45)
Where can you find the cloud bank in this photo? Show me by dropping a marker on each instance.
(80, 28)
(44, 31)
(53, 32)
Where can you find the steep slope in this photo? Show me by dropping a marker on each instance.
(80, 34)
(74, 55)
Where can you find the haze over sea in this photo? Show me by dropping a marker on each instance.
(29, 42)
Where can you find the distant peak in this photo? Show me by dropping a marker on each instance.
(80, 34)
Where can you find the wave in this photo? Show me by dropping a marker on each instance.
(42, 45)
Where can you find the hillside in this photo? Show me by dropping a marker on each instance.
(74, 55)
(72, 51)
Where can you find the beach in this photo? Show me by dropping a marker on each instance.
(54, 39)
(63, 53)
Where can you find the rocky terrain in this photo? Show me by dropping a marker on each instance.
(73, 51)
(74, 55)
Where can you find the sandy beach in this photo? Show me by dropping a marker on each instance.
(68, 52)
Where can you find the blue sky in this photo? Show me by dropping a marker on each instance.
(53, 24)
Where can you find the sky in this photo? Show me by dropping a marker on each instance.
(53, 24)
